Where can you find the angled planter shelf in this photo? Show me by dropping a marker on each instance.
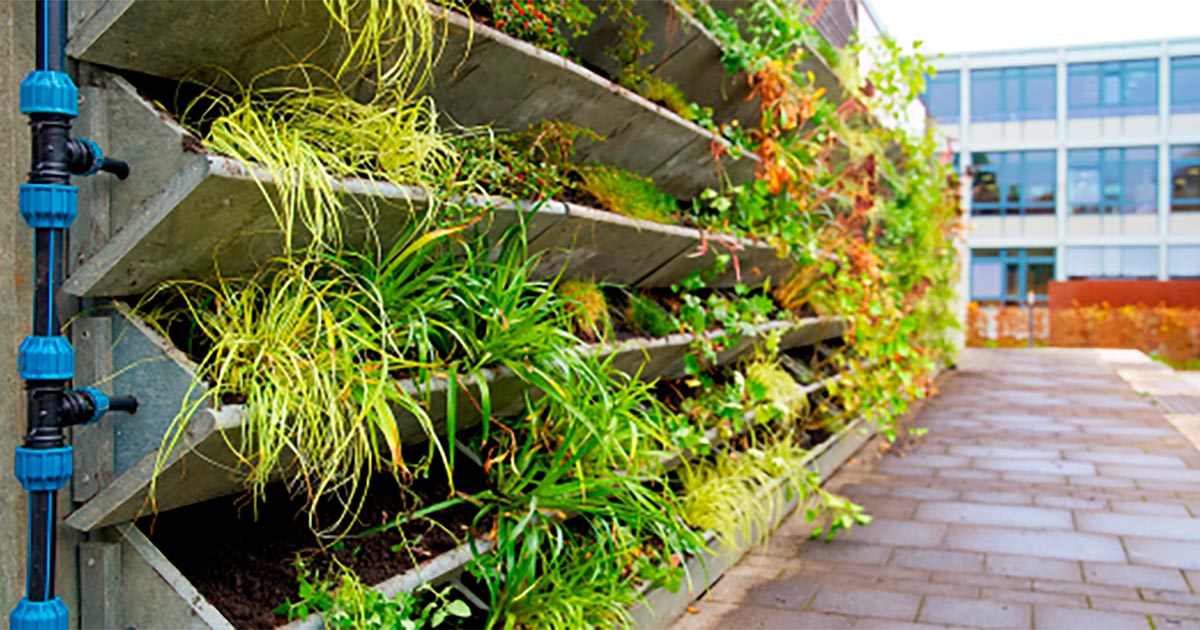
(686, 54)
(484, 77)
(154, 591)
(660, 606)
(203, 466)
(185, 209)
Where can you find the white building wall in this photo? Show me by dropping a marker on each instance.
(1162, 230)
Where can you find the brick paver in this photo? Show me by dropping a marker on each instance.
(1050, 492)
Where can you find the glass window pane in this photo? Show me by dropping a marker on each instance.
(1042, 252)
(985, 95)
(1139, 262)
(1038, 278)
(1141, 87)
(1191, 152)
(1040, 175)
(1083, 88)
(1111, 90)
(986, 280)
(1083, 187)
(1185, 179)
(1084, 262)
(1183, 261)
(942, 97)
(1040, 93)
(1185, 84)
(1141, 188)
(1083, 157)
(1110, 265)
(1012, 280)
(1012, 92)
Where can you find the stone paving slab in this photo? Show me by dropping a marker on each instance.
(1053, 490)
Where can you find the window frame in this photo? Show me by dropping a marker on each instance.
(1183, 163)
(1122, 251)
(1118, 104)
(1019, 257)
(1180, 105)
(1102, 166)
(1023, 205)
(1004, 77)
(941, 78)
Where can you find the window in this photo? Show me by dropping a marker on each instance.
(1004, 94)
(1113, 181)
(1185, 85)
(1185, 179)
(941, 97)
(1116, 88)
(1008, 274)
(1013, 182)
(1112, 262)
(1183, 261)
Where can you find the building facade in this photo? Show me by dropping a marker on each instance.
(1080, 162)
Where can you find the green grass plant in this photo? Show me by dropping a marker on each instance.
(646, 315)
(627, 194)
(587, 308)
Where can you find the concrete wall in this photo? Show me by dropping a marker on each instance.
(16, 268)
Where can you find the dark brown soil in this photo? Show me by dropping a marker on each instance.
(246, 567)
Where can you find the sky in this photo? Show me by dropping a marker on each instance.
(949, 26)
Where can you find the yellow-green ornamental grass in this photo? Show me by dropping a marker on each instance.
(587, 308)
(627, 194)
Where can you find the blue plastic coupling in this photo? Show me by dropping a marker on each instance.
(100, 402)
(43, 469)
(49, 92)
(97, 156)
(46, 359)
(48, 615)
(49, 205)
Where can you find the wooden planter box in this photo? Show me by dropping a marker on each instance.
(483, 77)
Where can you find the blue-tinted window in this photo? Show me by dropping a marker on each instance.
(1185, 178)
(941, 97)
(1013, 182)
(1116, 88)
(1112, 262)
(1007, 275)
(1004, 94)
(1185, 85)
(1113, 181)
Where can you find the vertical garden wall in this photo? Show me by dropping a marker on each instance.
(521, 314)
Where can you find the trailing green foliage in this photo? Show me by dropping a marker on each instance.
(645, 315)
(345, 602)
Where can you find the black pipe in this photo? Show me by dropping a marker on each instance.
(48, 203)
(51, 34)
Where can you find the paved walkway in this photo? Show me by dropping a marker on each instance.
(1049, 493)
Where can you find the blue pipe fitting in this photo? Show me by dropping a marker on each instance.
(48, 615)
(100, 402)
(46, 359)
(97, 157)
(43, 469)
(49, 92)
(49, 205)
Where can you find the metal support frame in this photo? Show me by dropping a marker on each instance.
(46, 360)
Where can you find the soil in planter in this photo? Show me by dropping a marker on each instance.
(246, 567)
